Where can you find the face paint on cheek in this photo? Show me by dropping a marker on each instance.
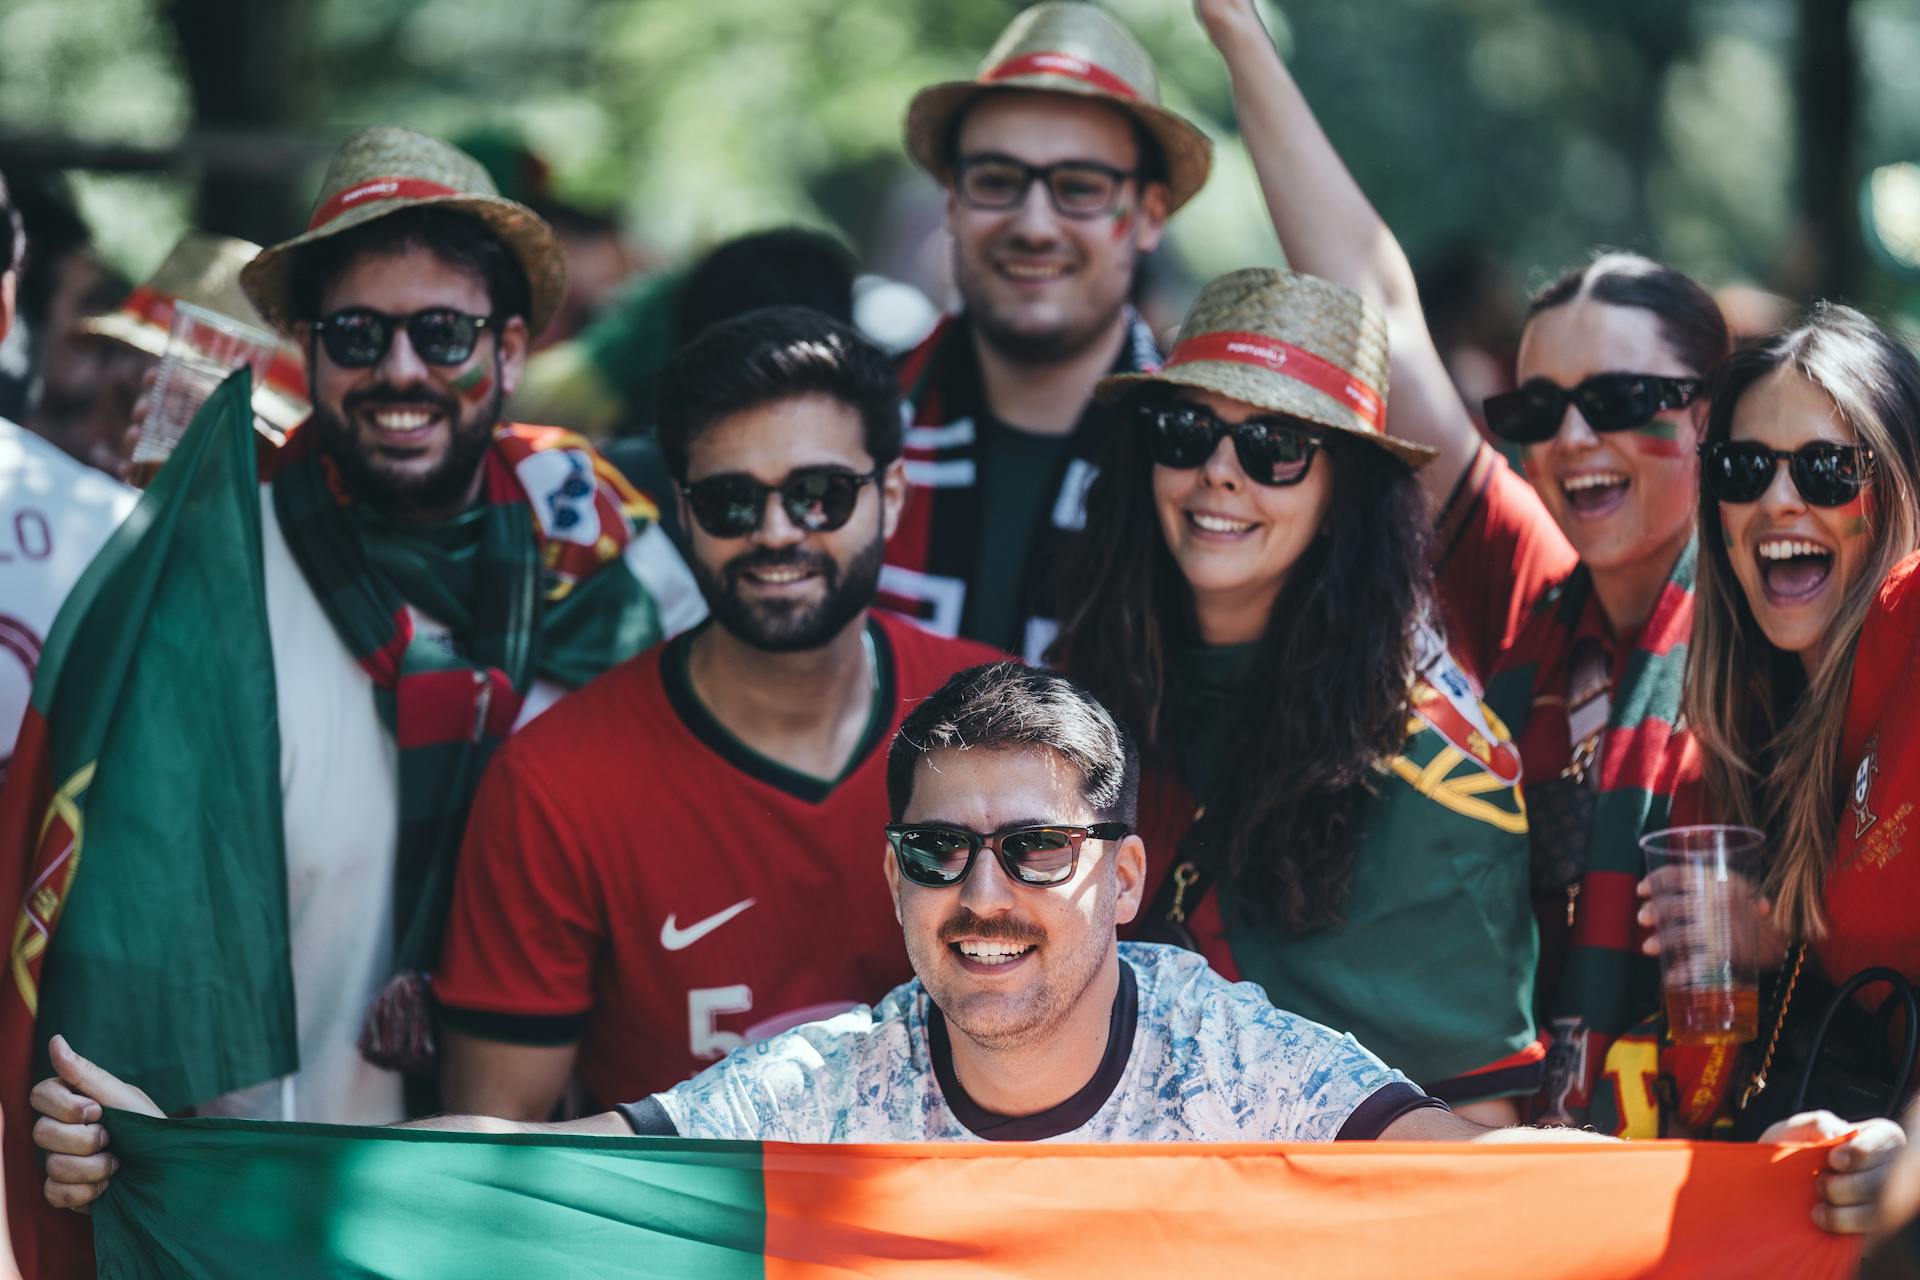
(1122, 222)
(474, 386)
(1658, 439)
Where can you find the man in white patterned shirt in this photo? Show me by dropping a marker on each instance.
(1011, 863)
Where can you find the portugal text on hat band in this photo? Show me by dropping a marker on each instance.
(1289, 361)
(377, 189)
(1061, 64)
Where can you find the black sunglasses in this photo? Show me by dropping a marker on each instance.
(939, 856)
(1274, 451)
(1825, 473)
(1531, 412)
(1077, 188)
(817, 499)
(358, 337)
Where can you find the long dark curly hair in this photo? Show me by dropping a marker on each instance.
(1325, 696)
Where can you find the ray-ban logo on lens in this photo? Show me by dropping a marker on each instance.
(674, 938)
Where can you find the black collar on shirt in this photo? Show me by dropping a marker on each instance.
(1056, 1120)
(702, 723)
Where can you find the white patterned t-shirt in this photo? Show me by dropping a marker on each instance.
(1191, 1057)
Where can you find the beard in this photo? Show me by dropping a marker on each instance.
(790, 626)
(399, 492)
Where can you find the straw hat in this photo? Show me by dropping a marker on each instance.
(204, 270)
(383, 170)
(1291, 343)
(1076, 49)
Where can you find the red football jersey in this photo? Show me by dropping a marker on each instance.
(636, 879)
(1874, 883)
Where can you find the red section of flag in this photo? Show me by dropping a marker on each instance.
(1062, 64)
(1289, 361)
(1329, 1209)
(46, 1242)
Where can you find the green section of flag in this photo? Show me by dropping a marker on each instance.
(212, 1199)
(170, 961)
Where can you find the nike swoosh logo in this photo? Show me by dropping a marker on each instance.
(674, 938)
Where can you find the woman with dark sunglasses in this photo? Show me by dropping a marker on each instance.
(1251, 599)
(1803, 679)
(1569, 598)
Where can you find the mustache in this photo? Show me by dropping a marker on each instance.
(418, 393)
(790, 558)
(965, 924)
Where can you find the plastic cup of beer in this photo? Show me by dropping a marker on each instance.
(1706, 888)
(203, 348)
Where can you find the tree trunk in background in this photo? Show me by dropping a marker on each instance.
(1826, 118)
(240, 61)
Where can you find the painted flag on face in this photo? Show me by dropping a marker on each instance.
(222, 1198)
(151, 734)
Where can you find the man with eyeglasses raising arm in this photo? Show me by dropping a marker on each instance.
(1061, 169)
(679, 860)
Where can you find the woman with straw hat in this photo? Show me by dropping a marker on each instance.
(1252, 600)
(1570, 598)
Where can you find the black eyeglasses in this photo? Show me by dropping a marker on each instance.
(1275, 451)
(358, 337)
(1826, 474)
(939, 856)
(1077, 188)
(817, 499)
(1531, 412)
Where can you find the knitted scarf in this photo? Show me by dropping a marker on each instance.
(931, 558)
(1645, 755)
(518, 581)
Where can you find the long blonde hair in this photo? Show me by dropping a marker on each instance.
(1772, 760)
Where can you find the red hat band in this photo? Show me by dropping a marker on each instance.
(1288, 361)
(1066, 65)
(377, 189)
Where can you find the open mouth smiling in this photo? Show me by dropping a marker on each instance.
(1792, 570)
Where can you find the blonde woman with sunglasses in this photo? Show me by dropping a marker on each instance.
(1803, 681)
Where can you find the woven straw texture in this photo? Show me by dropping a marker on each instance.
(1318, 316)
(1080, 31)
(386, 152)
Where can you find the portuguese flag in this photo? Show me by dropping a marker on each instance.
(141, 817)
(212, 1199)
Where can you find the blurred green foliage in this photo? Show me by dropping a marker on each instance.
(1539, 128)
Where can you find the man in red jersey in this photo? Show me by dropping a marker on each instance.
(682, 859)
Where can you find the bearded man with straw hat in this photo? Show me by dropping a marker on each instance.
(1061, 168)
(431, 578)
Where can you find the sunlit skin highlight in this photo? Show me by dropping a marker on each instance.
(1624, 499)
(1795, 598)
(1235, 540)
(1037, 283)
(1028, 1033)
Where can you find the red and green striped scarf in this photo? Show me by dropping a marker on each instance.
(1645, 755)
(531, 585)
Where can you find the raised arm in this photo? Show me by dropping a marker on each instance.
(1327, 228)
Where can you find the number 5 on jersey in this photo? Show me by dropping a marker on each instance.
(705, 1007)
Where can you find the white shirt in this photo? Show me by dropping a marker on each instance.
(1194, 1059)
(340, 802)
(55, 514)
